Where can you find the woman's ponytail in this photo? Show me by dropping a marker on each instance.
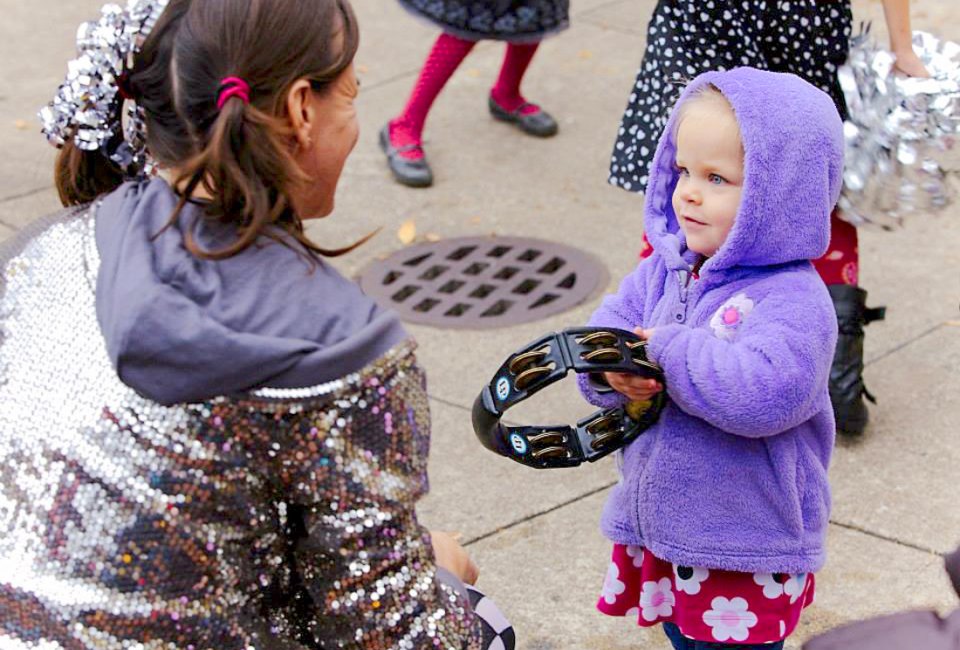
(81, 176)
(246, 159)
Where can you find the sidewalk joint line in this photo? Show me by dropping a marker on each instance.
(600, 7)
(23, 195)
(905, 344)
(592, 22)
(886, 538)
(537, 515)
(468, 409)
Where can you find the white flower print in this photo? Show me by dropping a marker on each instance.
(726, 321)
(772, 586)
(795, 586)
(636, 554)
(688, 579)
(729, 619)
(612, 585)
(657, 599)
(777, 584)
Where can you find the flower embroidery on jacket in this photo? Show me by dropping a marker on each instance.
(688, 579)
(612, 585)
(729, 619)
(726, 321)
(636, 554)
(657, 599)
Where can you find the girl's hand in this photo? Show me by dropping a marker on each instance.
(452, 557)
(636, 388)
(910, 64)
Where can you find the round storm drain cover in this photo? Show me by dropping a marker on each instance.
(483, 282)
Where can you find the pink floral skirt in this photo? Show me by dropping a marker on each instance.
(706, 604)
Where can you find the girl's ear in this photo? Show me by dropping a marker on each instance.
(301, 111)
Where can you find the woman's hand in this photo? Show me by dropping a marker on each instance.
(910, 64)
(636, 388)
(452, 557)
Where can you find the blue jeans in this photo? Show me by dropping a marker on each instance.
(681, 642)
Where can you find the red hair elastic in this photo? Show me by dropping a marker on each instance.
(233, 87)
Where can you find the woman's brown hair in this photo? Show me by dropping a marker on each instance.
(242, 154)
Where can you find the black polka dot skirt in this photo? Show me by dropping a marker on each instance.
(502, 20)
(809, 38)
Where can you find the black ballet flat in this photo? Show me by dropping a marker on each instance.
(412, 173)
(540, 124)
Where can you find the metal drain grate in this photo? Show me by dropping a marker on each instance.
(483, 282)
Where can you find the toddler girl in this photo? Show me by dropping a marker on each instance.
(719, 519)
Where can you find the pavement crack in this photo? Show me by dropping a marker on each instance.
(886, 538)
(23, 195)
(537, 515)
(905, 344)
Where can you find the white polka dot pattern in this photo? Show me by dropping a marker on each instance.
(809, 38)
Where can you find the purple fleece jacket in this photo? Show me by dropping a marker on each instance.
(734, 474)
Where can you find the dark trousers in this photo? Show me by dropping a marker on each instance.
(681, 642)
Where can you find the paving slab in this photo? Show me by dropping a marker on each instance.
(16, 212)
(900, 480)
(907, 270)
(546, 575)
(36, 41)
(627, 16)
(6, 233)
(476, 493)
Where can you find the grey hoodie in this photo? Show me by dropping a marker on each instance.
(182, 329)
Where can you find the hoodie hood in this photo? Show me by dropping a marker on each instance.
(793, 166)
(182, 329)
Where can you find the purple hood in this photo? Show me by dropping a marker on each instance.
(734, 475)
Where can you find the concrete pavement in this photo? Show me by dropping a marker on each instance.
(535, 534)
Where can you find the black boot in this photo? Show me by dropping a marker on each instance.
(846, 376)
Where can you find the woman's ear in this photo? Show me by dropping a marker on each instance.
(301, 111)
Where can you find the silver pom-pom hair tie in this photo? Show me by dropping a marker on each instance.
(902, 132)
(87, 103)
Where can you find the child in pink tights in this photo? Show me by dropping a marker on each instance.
(522, 24)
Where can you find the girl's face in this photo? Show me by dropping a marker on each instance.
(333, 135)
(710, 164)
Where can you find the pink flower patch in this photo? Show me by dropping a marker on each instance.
(726, 321)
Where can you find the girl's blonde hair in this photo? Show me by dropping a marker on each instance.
(709, 96)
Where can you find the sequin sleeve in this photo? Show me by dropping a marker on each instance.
(353, 464)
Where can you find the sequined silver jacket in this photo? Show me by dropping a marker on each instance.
(278, 519)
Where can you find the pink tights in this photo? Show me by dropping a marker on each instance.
(445, 57)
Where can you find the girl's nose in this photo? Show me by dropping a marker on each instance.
(690, 194)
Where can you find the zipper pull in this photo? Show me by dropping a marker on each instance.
(684, 279)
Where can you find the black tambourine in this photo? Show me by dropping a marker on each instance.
(547, 361)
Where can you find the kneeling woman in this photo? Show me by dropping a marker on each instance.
(211, 439)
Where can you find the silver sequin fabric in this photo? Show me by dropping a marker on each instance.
(280, 519)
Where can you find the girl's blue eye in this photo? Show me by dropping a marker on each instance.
(717, 180)
(682, 171)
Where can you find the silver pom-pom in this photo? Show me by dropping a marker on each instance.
(901, 134)
(86, 108)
